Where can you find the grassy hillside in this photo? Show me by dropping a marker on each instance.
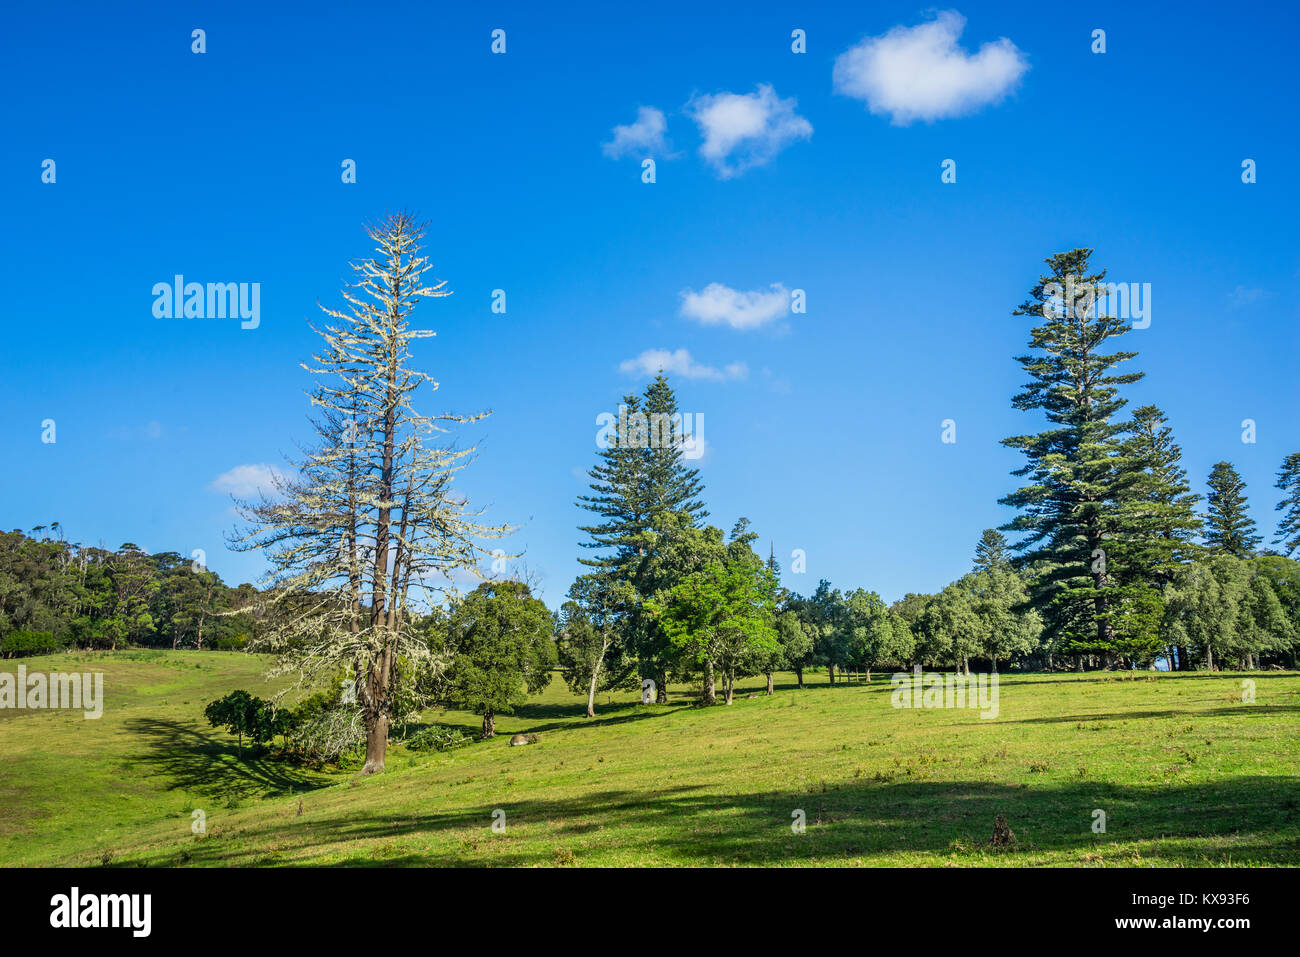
(1185, 772)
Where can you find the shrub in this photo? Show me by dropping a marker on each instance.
(24, 644)
(437, 738)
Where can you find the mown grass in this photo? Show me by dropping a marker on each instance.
(1186, 773)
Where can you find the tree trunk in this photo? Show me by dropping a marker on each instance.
(1078, 663)
(995, 665)
(729, 678)
(1209, 657)
(770, 686)
(798, 673)
(489, 724)
(661, 688)
(710, 689)
(830, 670)
(591, 692)
(376, 744)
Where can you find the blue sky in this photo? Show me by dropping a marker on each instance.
(225, 167)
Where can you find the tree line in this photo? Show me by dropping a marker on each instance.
(57, 595)
(1110, 562)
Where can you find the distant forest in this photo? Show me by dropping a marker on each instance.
(57, 595)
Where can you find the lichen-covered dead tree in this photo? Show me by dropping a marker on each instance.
(369, 524)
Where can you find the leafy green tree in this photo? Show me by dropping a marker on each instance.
(1263, 625)
(1229, 528)
(501, 636)
(1283, 575)
(239, 713)
(675, 548)
(875, 635)
(794, 643)
(1288, 526)
(722, 617)
(195, 599)
(1008, 628)
(135, 583)
(908, 610)
(824, 612)
(583, 647)
(1206, 606)
(1074, 505)
(949, 629)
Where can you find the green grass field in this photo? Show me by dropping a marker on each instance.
(1185, 772)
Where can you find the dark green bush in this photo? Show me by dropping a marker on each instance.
(24, 644)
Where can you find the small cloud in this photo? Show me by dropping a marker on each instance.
(716, 303)
(654, 361)
(744, 131)
(646, 135)
(1246, 296)
(245, 481)
(920, 73)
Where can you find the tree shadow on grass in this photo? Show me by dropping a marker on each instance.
(1250, 711)
(1253, 820)
(567, 717)
(195, 761)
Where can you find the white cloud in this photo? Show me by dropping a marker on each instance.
(680, 363)
(920, 73)
(646, 135)
(1246, 296)
(716, 303)
(245, 481)
(743, 131)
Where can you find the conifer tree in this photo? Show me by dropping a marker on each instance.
(641, 492)
(670, 485)
(1162, 519)
(1074, 507)
(618, 483)
(990, 550)
(371, 513)
(1288, 527)
(1228, 526)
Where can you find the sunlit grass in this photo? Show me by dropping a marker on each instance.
(1184, 771)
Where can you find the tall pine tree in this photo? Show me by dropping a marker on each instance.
(1228, 527)
(990, 550)
(1074, 507)
(1162, 520)
(670, 486)
(642, 491)
(1288, 527)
